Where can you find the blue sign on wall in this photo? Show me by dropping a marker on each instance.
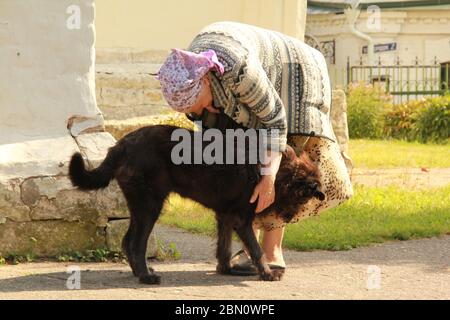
(382, 47)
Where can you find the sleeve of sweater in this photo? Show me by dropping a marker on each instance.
(253, 88)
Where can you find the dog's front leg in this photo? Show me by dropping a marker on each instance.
(223, 253)
(247, 235)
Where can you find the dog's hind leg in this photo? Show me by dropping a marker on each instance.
(223, 253)
(245, 232)
(127, 244)
(144, 211)
(144, 225)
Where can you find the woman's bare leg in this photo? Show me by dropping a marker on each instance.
(257, 232)
(272, 245)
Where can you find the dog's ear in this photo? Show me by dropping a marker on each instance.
(308, 164)
(289, 153)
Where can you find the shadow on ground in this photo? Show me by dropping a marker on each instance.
(113, 279)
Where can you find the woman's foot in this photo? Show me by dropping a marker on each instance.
(242, 265)
(276, 260)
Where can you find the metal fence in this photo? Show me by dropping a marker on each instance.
(403, 82)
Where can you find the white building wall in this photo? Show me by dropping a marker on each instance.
(47, 67)
(165, 24)
(47, 85)
(421, 33)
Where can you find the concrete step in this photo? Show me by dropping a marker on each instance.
(129, 55)
(130, 75)
(128, 90)
(119, 128)
(127, 112)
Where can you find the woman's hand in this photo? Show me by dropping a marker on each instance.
(265, 189)
(264, 192)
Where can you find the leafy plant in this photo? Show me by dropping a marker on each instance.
(366, 104)
(432, 122)
(94, 255)
(372, 115)
(167, 251)
(17, 258)
(399, 120)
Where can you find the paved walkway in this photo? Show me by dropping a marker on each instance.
(418, 269)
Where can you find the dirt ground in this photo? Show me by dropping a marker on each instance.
(418, 269)
(409, 178)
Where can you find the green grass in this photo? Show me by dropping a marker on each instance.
(373, 215)
(395, 153)
(188, 215)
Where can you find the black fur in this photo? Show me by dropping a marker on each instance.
(141, 163)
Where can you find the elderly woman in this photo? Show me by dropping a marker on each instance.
(259, 78)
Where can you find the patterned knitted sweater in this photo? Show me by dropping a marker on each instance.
(271, 81)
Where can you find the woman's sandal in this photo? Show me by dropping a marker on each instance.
(242, 265)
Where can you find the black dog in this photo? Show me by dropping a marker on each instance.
(141, 163)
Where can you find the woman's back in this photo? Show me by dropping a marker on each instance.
(259, 61)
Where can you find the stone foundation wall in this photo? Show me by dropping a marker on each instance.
(340, 125)
(339, 118)
(47, 216)
(37, 219)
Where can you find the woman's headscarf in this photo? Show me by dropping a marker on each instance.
(181, 75)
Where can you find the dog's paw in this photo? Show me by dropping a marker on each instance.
(136, 272)
(274, 275)
(150, 279)
(277, 274)
(223, 269)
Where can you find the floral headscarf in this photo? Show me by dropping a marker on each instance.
(181, 75)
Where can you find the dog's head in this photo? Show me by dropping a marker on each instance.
(297, 182)
(300, 175)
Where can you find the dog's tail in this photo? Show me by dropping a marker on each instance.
(93, 179)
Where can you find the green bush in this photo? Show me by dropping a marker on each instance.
(426, 120)
(399, 120)
(366, 104)
(432, 121)
(372, 115)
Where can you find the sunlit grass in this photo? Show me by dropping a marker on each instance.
(373, 215)
(392, 154)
